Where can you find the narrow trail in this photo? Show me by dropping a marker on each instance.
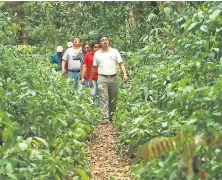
(105, 163)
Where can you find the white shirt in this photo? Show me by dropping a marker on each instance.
(107, 61)
(74, 59)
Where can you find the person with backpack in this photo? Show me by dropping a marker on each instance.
(73, 57)
(106, 60)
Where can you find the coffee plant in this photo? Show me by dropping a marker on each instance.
(44, 122)
(175, 85)
(172, 52)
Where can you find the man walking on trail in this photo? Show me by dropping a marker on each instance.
(106, 60)
(73, 57)
(57, 58)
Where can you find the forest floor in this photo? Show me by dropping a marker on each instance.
(105, 162)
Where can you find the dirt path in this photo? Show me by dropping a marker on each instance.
(104, 161)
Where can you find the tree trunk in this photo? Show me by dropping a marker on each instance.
(22, 34)
(155, 7)
(132, 17)
(24, 37)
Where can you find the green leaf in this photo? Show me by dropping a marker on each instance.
(64, 123)
(216, 49)
(111, 178)
(56, 176)
(33, 93)
(161, 164)
(194, 26)
(204, 28)
(42, 140)
(192, 121)
(151, 38)
(82, 173)
(9, 168)
(214, 15)
(12, 176)
(150, 17)
(217, 151)
(165, 31)
(137, 120)
(164, 124)
(36, 142)
(167, 11)
(217, 113)
(23, 146)
(145, 38)
(61, 170)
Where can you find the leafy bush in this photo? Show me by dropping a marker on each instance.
(175, 85)
(43, 120)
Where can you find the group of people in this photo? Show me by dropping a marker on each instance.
(93, 66)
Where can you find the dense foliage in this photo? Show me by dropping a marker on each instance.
(173, 58)
(54, 23)
(43, 123)
(175, 86)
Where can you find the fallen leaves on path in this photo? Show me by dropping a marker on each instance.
(105, 163)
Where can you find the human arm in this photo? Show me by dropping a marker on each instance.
(84, 69)
(94, 69)
(64, 63)
(64, 67)
(83, 74)
(122, 67)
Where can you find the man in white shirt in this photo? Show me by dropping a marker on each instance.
(106, 60)
(73, 58)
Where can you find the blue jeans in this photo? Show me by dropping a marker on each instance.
(94, 90)
(76, 76)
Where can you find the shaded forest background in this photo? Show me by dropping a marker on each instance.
(173, 56)
(52, 23)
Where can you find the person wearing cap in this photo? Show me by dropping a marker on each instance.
(69, 44)
(73, 59)
(106, 60)
(57, 58)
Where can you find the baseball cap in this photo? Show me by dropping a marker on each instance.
(59, 49)
(69, 44)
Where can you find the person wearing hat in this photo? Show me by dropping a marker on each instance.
(57, 58)
(69, 44)
(106, 60)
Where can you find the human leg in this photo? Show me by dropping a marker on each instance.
(72, 75)
(94, 92)
(76, 76)
(103, 93)
(113, 90)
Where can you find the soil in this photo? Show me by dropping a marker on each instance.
(105, 162)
